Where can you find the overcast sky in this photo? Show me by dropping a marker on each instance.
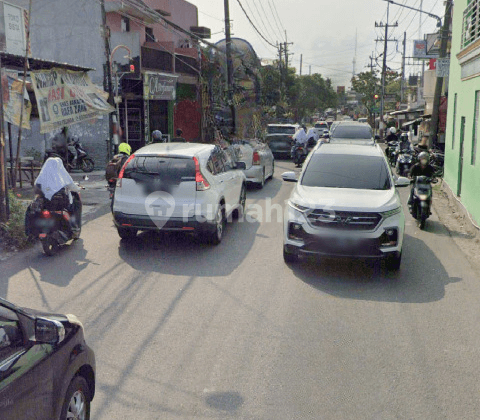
(323, 30)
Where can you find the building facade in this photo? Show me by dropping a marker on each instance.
(462, 161)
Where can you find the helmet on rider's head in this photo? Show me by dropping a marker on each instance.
(125, 148)
(424, 158)
(393, 130)
(157, 135)
(404, 137)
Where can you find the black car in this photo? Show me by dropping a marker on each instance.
(47, 371)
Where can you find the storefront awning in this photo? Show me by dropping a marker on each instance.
(417, 121)
(16, 62)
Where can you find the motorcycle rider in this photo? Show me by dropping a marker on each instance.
(300, 138)
(405, 144)
(392, 136)
(54, 178)
(157, 137)
(422, 168)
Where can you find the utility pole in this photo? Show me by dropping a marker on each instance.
(301, 59)
(402, 82)
(280, 67)
(108, 81)
(310, 71)
(444, 36)
(384, 67)
(371, 62)
(228, 41)
(3, 172)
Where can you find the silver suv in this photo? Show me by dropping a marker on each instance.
(345, 204)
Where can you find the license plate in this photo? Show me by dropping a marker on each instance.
(44, 222)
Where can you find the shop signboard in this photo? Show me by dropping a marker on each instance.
(13, 21)
(66, 97)
(420, 50)
(159, 86)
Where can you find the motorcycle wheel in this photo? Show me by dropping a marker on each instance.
(422, 217)
(50, 246)
(88, 165)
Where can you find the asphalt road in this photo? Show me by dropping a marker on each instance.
(187, 331)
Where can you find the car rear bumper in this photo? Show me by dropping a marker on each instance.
(254, 173)
(179, 224)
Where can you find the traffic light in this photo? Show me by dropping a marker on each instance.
(376, 96)
(132, 66)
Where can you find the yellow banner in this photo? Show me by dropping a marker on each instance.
(13, 100)
(66, 97)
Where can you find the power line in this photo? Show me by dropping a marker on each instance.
(268, 20)
(276, 12)
(275, 19)
(254, 27)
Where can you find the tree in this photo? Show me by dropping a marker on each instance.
(368, 84)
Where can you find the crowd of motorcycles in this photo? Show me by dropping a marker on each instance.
(402, 156)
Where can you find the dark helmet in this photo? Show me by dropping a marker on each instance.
(424, 156)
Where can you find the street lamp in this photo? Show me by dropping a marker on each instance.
(439, 19)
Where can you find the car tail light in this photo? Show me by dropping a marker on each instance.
(120, 175)
(46, 214)
(202, 183)
(256, 158)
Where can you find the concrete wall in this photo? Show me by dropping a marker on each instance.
(465, 107)
(69, 31)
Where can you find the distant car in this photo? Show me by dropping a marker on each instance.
(184, 187)
(320, 126)
(352, 132)
(47, 371)
(280, 138)
(345, 204)
(258, 159)
(363, 120)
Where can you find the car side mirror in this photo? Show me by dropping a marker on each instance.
(49, 331)
(402, 182)
(241, 165)
(289, 177)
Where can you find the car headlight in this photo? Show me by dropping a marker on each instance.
(423, 197)
(298, 207)
(390, 213)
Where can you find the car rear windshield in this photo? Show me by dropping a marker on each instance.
(280, 130)
(280, 137)
(323, 125)
(178, 169)
(352, 132)
(347, 171)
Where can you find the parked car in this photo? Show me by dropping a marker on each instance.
(280, 138)
(352, 132)
(186, 187)
(47, 371)
(345, 204)
(258, 159)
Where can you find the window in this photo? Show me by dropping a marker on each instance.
(475, 127)
(174, 170)
(149, 37)
(272, 129)
(454, 120)
(353, 132)
(125, 24)
(215, 163)
(347, 171)
(471, 26)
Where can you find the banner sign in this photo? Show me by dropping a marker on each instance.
(420, 50)
(66, 97)
(159, 86)
(443, 67)
(13, 100)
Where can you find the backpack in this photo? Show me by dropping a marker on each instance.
(114, 166)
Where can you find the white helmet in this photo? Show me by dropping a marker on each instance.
(393, 130)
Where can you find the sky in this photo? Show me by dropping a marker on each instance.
(324, 31)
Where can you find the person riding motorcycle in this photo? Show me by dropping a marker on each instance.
(422, 168)
(392, 136)
(405, 144)
(300, 138)
(115, 165)
(157, 137)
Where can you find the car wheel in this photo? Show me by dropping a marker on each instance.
(273, 171)
(393, 261)
(289, 257)
(261, 184)
(240, 210)
(216, 236)
(77, 400)
(125, 233)
(50, 246)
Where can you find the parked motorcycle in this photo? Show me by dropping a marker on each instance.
(422, 199)
(55, 222)
(437, 160)
(83, 162)
(405, 161)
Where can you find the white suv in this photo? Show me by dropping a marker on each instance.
(185, 187)
(345, 204)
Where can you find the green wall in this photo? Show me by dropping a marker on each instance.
(465, 107)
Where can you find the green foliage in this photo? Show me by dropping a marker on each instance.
(367, 84)
(12, 233)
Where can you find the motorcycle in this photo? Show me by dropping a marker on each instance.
(83, 162)
(300, 152)
(422, 199)
(404, 162)
(391, 152)
(55, 222)
(437, 160)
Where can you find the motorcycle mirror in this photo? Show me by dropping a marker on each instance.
(402, 182)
